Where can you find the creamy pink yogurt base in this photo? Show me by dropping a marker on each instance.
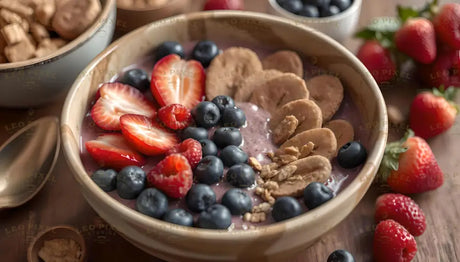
(256, 143)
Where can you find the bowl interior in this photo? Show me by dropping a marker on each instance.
(231, 27)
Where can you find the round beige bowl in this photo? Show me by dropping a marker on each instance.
(41, 80)
(275, 242)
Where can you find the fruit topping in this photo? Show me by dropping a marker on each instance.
(284, 61)
(176, 81)
(286, 208)
(330, 11)
(233, 116)
(447, 25)
(113, 151)
(323, 140)
(309, 11)
(225, 136)
(208, 148)
(224, 5)
(433, 113)
(229, 69)
(117, 99)
(216, 216)
(197, 133)
(232, 155)
(343, 131)
(210, 170)
(130, 182)
(190, 148)
(223, 102)
(175, 116)
(136, 78)
(204, 52)
(409, 166)
(179, 216)
(392, 242)
(351, 155)
(327, 92)
(105, 179)
(172, 175)
(146, 135)
(200, 197)
(316, 194)
(206, 114)
(244, 92)
(237, 201)
(240, 175)
(401, 209)
(378, 61)
(168, 48)
(152, 202)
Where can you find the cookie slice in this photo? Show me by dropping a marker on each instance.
(279, 91)
(285, 61)
(327, 92)
(323, 139)
(343, 131)
(244, 92)
(229, 69)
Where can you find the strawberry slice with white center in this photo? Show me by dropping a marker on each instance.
(176, 81)
(113, 151)
(117, 99)
(146, 135)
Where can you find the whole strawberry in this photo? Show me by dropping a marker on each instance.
(447, 25)
(445, 70)
(224, 5)
(403, 210)
(377, 60)
(393, 243)
(409, 166)
(433, 113)
(417, 39)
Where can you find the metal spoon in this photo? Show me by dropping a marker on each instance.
(26, 161)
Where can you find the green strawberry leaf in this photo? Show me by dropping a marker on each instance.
(405, 13)
(381, 29)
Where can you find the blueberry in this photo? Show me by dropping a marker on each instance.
(237, 201)
(197, 133)
(351, 155)
(232, 155)
(320, 4)
(136, 78)
(105, 179)
(293, 6)
(240, 175)
(130, 182)
(330, 11)
(204, 52)
(152, 202)
(233, 116)
(215, 217)
(179, 216)
(223, 102)
(206, 114)
(169, 47)
(340, 255)
(285, 208)
(316, 194)
(225, 136)
(208, 148)
(200, 197)
(309, 11)
(341, 4)
(210, 170)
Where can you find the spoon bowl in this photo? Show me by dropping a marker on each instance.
(26, 161)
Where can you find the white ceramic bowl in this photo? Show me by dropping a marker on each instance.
(339, 27)
(41, 80)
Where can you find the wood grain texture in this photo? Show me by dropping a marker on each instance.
(60, 201)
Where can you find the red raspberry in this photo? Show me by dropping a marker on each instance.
(403, 210)
(393, 243)
(190, 148)
(172, 175)
(175, 116)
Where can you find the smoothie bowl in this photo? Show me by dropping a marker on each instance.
(288, 98)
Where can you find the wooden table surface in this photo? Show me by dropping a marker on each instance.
(60, 201)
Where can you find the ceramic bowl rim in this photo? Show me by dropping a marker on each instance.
(150, 9)
(363, 178)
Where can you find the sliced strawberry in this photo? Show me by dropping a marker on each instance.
(190, 148)
(176, 81)
(117, 99)
(172, 175)
(146, 135)
(113, 151)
